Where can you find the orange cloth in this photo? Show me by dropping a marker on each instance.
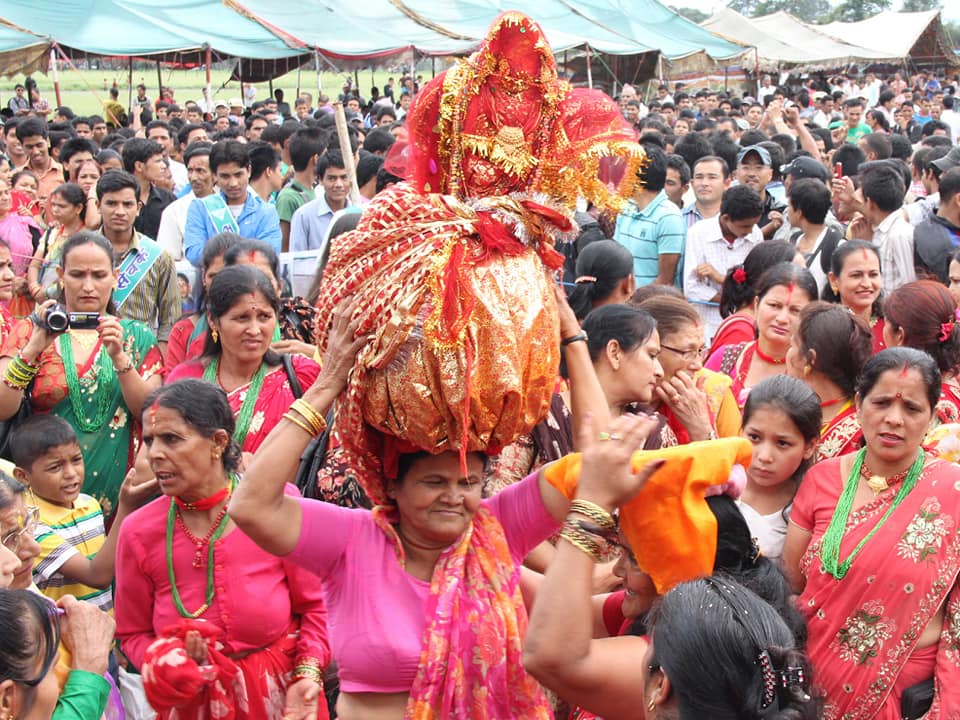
(670, 527)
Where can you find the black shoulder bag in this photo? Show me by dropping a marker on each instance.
(316, 452)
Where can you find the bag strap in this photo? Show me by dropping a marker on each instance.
(288, 368)
(312, 460)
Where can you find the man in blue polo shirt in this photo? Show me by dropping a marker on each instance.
(651, 227)
(234, 208)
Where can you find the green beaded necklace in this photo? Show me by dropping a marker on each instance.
(217, 534)
(102, 384)
(212, 375)
(830, 548)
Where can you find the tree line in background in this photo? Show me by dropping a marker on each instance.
(821, 11)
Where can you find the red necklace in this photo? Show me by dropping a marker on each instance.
(766, 358)
(205, 503)
(828, 403)
(201, 543)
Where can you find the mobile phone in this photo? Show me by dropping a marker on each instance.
(838, 170)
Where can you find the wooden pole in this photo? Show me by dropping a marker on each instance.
(208, 90)
(589, 71)
(56, 76)
(130, 86)
(159, 81)
(343, 136)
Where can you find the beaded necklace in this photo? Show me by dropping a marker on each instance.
(830, 548)
(215, 533)
(212, 375)
(100, 383)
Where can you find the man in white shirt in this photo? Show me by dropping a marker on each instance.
(715, 246)
(173, 221)
(883, 223)
(160, 133)
(951, 117)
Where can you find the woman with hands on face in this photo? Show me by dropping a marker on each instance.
(696, 403)
(96, 378)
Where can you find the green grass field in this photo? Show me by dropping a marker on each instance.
(85, 90)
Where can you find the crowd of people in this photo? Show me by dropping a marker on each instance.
(597, 407)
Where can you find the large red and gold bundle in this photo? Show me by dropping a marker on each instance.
(451, 273)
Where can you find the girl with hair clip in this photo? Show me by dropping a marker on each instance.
(782, 292)
(782, 421)
(923, 315)
(828, 352)
(855, 281)
(604, 276)
(739, 291)
(68, 207)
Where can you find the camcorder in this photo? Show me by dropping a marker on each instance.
(58, 320)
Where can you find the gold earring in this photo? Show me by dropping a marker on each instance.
(651, 705)
(215, 335)
(806, 370)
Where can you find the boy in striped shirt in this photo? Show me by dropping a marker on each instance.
(76, 556)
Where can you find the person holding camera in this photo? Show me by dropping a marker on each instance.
(77, 360)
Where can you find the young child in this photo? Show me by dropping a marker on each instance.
(76, 557)
(782, 420)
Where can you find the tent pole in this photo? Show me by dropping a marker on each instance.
(159, 81)
(270, 86)
(433, 66)
(130, 85)
(589, 71)
(299, 68)
(240, 76)
(56, 76)
(316, 63)
(208, 92)
(756, 69)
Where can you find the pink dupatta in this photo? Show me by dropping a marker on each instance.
(471, 664)
(863, 630)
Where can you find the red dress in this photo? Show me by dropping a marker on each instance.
(841, 435)
(864, 629)
(736, 328)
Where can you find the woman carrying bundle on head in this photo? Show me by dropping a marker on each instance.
(457, 354)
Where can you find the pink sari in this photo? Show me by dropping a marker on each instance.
(863, 630)
(471, 665)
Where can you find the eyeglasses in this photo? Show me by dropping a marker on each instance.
(687, 355)
(28, 525)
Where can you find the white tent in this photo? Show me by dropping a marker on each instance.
(783, 42)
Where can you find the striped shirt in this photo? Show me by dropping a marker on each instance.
(64, 533)
(155, 301)
(656, 230)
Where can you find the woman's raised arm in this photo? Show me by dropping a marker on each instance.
(259, 506)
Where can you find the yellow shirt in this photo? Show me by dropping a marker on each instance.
(62, 534)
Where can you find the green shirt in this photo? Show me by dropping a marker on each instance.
(291, 198)
(84, 697)
(855, 133)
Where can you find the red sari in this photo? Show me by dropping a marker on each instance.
(272, 402)
(863, 630)
(841, 435)
(948, 407)
(737, 328)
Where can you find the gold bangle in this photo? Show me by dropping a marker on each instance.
(594, 512)
(314, 428)
(299, 423)
(125, 369)
(310, 414)
(582, 541)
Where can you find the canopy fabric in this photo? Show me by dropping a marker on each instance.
(782, 41)
(381, 27)
(919, 34)
(22, 52)
(146, 27)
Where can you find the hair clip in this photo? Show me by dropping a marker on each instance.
(740, 276)
(946, 330)
(769, 679)
(584, 278)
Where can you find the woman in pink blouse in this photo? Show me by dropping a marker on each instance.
(215, 624)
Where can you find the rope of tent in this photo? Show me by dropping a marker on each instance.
(80, 74)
